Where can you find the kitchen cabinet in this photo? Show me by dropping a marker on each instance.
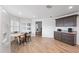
(57, 35)
(66, 21)
(65, 37)
(59, 23)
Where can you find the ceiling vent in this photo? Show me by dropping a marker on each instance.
(49, 6)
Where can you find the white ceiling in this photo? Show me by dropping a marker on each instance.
(40, 11)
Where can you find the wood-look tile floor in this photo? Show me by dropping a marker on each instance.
(44, 45)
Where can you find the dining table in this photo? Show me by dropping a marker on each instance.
(16, 35)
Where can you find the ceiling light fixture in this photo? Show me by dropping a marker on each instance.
(70, 7)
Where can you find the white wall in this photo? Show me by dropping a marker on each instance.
(4, 31)
(48, 27)
(4, 25)
(0, 28)
(66, 28)
(77, 30)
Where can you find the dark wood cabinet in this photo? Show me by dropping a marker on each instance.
(57, 35)
(59, 23)
(69, 21)
(69, 38)
(65, 37)
(66, 21)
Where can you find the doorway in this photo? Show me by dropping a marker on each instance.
(38, 28)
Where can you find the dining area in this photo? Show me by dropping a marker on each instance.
(20, 31)
(21, 38)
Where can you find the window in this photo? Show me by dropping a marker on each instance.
(25, 27)
(15, 26)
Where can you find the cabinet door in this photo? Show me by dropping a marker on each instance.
(64, 37)
(71, 39)
(68, 38)
(59, 22)
(69, 21)
(57, 35)
(66, 21)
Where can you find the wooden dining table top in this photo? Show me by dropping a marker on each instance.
(16, 34)
(19, 34)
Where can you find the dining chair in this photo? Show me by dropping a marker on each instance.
(22, 38)
(25, 39)
(29, 36)
(17, 39)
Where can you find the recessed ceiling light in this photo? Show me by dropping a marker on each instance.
(70, 7)
(33, 16)
(20, 13)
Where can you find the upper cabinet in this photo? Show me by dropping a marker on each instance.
(69, 21)
(59, 23)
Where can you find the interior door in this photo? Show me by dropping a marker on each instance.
(39, 28)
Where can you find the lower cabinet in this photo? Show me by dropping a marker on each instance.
(65, 37)
(57, 36)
